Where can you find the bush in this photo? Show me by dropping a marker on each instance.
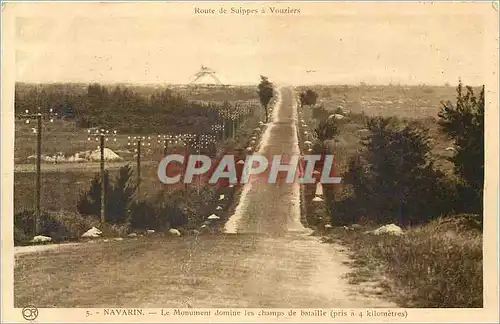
(60, 226)
(394, 180)
(327, 129)
(143, 216)
(160, 215)
(118, 198)
(308, 98)
(20, 236)
(320, 113)
(24, 222)
(464, 123)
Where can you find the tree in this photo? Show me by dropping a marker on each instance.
(266, 92)
(394, 179)
(464, 123)
(308, 98)
(327, 129)
(320, 113)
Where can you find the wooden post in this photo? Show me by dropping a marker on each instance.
(232, 135)
(223, 129)
(138, 167)
(38, 173)
(103, 183)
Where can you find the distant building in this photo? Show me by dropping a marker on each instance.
(206, 77)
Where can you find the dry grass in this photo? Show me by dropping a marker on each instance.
(149, 270)
(415, 103)
(386, 100)
(431, 266)
(61, 190)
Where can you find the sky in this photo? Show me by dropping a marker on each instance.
(168, 42)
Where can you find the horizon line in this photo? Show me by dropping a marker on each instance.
(361, 83)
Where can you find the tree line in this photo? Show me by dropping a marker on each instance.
(119, 107)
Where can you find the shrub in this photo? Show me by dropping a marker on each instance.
(118, 198)
(339, 110)
(24, 222)
(327, 129)
(320, 113)
(464, 123)
(143, 216)
(308, 98)
(20, 236)
(60, 226)
(393, 179)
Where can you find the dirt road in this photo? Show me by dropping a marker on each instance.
(266, 258)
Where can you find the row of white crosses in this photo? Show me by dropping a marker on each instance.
(250, 149)
(305, 133)
(137, 142)
(197, 141)
(38, 131)
(218, 129)
(51, 115)
(164, 140)
(308, 144)
(204, 141)
(97, 133)
(234, 113)
(253, 140)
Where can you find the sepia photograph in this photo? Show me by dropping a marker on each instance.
(249, 161)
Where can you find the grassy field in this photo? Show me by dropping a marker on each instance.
(439, 264)
(61, 189)
(388, 100)
(416, 103)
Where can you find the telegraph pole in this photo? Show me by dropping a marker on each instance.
(103, 181)
(234, 127)
(138, 166)
(101, 136)
(38, 161)
(138, 142)
(38, 172)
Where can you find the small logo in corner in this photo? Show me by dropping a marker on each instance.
(30, 313)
